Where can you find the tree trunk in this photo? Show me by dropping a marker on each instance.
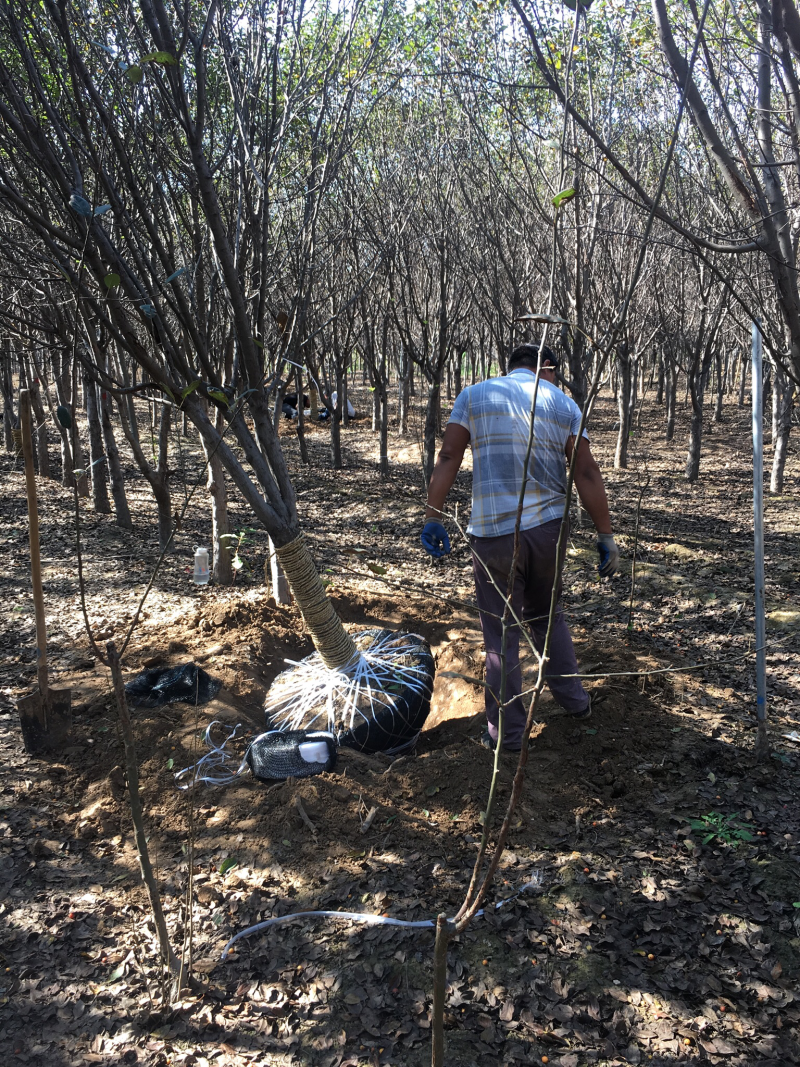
(383, 468)
(624, 409)
(10, 420)
(98, 466)
(404, 396)
(661, 376)
(118, 495)
(697, 387)
(220, 526)
(431, 424)
(743, 379)
(720, 387)
(336, 425)
(672, 397)
(695, 440)
(301, 420)
(277, 411)
(342, 397)
(281, 593)
(161, 481)
(77, 444)
(157, 478)
(782, 424)
(41, 429)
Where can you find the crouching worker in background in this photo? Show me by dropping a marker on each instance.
(493, 418)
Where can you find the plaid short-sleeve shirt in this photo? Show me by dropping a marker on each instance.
(497, 414)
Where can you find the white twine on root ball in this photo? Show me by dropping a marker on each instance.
(368, 678)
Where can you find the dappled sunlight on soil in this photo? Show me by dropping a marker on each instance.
(643, 938)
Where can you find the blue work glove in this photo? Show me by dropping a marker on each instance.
(434, 539)
(609, 555)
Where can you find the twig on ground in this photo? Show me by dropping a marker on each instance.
(370, 819)
(301, 811)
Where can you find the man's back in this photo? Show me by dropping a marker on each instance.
(497, 415)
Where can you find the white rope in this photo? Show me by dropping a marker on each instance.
(311, 685)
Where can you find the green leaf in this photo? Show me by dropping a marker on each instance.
(111, 281)
(170, 763)
(117, 973)
(563, 197)
(166, 59)
(228, 865)
(134, 74)
(190, 388)
(218, 395)
(796, 904)
(376, 568)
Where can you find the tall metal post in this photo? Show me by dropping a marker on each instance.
(762, 746)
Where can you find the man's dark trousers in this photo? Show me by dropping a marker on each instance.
(533, 587)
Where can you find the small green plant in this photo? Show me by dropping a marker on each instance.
(234, 543)
(727, 829)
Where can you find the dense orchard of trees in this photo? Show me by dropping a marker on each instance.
(209, 205)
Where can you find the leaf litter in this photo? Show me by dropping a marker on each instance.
(642, 941)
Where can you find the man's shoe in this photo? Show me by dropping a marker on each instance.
(489, 742)
(584, 713)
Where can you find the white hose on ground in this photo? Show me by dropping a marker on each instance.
(365, 917)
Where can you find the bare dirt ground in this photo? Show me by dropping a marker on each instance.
(642, 940)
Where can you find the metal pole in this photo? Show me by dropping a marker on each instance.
(762, 746)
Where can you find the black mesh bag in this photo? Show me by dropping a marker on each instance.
(170, 685)
(283, 754)
(395, 725)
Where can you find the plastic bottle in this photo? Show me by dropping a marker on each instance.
(201, 566)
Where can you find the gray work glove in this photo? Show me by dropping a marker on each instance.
(609, 555)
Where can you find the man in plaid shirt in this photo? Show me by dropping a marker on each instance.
(493, 417)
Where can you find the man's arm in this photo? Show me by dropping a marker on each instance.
(589, 483)
(448, 462)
